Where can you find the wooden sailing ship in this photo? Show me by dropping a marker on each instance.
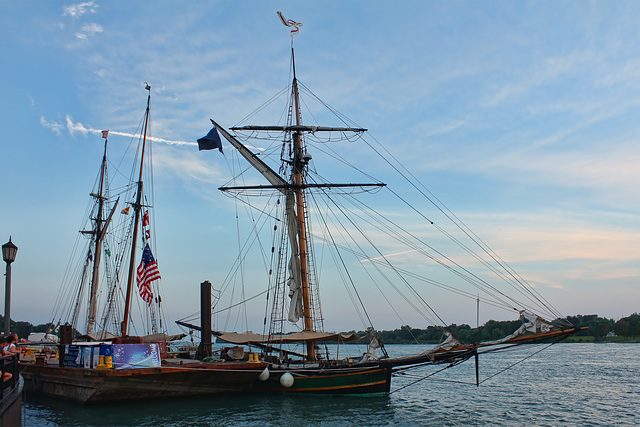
(293, 341)
(99, 359)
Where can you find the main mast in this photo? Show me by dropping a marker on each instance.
(298, 170)
(294, 191)
(136, 208)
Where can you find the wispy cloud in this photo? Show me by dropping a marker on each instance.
(387, 256)
(54, 127)
(79, 9)
(74, 128)
(88, 30)
(543, 71)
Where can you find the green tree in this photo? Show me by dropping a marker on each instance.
(621, 328)
(634, 325)
(23, 329)
(601, 328)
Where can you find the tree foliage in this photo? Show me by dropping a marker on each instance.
(598, 327)
(23, 329)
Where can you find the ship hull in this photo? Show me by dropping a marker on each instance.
(96, 385)
(354, 381)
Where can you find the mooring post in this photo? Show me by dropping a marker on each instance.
(204, 349)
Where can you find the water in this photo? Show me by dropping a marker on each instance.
(566, 384)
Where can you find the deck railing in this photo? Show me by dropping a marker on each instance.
(9, 365)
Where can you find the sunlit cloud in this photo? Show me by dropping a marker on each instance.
(554, 247)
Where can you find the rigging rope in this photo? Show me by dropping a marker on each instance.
(451, 365)
(448, 214)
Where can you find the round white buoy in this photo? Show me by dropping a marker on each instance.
(286, 380)
(264, 375)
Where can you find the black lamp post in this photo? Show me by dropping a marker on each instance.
(9, 251)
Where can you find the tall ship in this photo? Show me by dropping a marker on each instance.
(109, 313)
(313, 236)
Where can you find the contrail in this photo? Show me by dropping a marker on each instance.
(152, 138)
(79, 127)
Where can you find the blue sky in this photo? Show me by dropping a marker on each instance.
(522, 117)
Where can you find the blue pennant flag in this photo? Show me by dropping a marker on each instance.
(211, 141)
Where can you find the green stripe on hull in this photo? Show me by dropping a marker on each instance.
(370, 381)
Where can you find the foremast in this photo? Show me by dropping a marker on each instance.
(98, 233)
(137, 207)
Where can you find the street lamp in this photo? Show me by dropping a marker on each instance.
(9, 251)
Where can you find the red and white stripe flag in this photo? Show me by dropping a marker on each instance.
(147, 273)
(290, 23)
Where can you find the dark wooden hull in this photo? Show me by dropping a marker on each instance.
(371, 380)
(95, 385)
(11, 402)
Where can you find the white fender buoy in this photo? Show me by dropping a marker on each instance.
(264, 375)
(286, 380)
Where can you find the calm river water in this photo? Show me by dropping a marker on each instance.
(564, 385)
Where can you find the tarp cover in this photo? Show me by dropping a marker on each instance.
(162, 337)
(99, 336)
(108, 336)
(250, 337)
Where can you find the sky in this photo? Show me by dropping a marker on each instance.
(522, 117)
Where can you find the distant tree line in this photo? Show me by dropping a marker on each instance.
(23, 329)
(599, 328)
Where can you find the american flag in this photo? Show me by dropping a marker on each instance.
(147, 273)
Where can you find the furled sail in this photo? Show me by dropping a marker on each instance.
(295, 275)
